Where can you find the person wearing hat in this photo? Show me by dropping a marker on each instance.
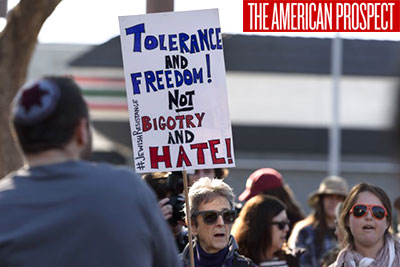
(270, 182)
(316, 233)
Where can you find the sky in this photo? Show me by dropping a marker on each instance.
(96, 21)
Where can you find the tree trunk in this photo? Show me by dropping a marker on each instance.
(17, 42)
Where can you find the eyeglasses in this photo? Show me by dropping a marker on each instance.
(360, 210)
(281, 225)
(211, 216)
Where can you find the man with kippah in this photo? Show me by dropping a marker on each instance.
(60, 210)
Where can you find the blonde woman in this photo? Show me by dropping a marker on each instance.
(366, 218)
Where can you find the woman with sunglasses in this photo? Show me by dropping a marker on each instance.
(261, 232)
(270, 182)
(366, 218)
(212, 214)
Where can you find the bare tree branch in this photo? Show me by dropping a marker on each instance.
(17, 42)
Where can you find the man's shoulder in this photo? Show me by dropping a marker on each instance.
(105, 171)
(113, 186)
(113, 176)
(7, 182)
(105, 167)
(78, 169)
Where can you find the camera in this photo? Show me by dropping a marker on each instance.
(178, 215)
(176, 200)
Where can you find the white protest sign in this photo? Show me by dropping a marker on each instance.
(176, 91)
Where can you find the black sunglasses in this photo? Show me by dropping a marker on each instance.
(281, 225)
(360, 210)
(211, 216)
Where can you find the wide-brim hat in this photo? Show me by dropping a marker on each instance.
(332, 185)
(260, 181)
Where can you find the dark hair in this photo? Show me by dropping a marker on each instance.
(252, 230)
(319, 222)
(293, 209)
(55, 131)
(351, 200)
(158, 182)
(221, 173)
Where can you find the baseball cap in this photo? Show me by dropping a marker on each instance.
(260, 181)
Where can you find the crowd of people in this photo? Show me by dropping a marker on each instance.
(61, 210)
(344, 228)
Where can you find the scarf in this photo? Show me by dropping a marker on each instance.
(389, 256)
(202, 258)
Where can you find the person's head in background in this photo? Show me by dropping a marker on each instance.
(366, 218)
(316, 233)
(269, 181)
(218, 173)
(169, 189)
(50, 120)
(332, 191)
(261, 228)
(158, 182)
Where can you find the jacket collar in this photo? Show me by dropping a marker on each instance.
(233, 247)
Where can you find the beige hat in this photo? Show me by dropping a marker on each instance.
(332, 185)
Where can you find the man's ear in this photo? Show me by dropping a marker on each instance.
(81, 132)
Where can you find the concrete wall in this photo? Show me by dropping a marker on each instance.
(305, 100)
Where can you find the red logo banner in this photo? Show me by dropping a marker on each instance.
(321, 16)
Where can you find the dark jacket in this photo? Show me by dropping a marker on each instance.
(238, 260)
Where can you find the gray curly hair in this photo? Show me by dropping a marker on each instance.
(205, 190)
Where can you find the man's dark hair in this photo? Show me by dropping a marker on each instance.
(57, 128)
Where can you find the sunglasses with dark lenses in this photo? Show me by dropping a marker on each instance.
(211, 216)
(360, 210)
(281, 225)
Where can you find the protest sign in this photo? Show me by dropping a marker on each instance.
(176, 91)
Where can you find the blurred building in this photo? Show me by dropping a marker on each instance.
(54, 59)
(279, 92)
